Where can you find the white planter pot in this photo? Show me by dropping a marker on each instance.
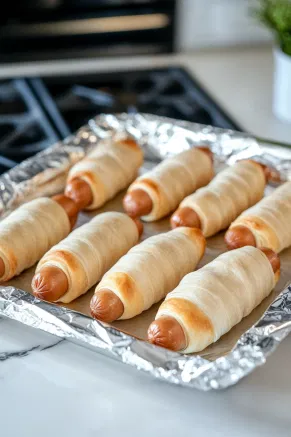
(282, 86)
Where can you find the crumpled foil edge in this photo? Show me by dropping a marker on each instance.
(45, 173)
(160, 137)
(250, 352)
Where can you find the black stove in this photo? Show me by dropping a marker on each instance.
(37, 112)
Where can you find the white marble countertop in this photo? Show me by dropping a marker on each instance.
(49, 386)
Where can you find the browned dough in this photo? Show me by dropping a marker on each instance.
(138, 203)
(167, 331)
(51, 282)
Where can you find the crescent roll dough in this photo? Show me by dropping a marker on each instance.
(270, 219)
(108, 169)
(232, 191)
(29, 232)
(90, 250)
(151, 269)
(210, 301)
(173, 179)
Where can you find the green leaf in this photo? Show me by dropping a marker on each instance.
(276, 15)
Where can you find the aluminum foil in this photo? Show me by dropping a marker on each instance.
(160, 137)
(45, 173)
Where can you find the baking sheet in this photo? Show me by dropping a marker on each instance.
(236, 353)
(138, 326)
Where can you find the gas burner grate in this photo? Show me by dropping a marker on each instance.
(24, 128)
(36, 112)
(170, 92)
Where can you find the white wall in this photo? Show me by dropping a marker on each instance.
(206, 23)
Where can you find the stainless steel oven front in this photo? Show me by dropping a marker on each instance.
(60, 29)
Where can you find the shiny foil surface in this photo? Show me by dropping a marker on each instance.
(45, 173)
(160, 138)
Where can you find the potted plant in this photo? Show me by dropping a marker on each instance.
(276, 15)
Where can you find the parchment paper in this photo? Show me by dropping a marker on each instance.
(137, 327)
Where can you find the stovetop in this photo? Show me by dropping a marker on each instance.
(37, 112)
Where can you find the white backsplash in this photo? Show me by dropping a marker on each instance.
(209, 23)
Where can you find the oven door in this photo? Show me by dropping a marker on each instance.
(59, 29)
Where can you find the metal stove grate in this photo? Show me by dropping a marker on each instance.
(36, 112)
